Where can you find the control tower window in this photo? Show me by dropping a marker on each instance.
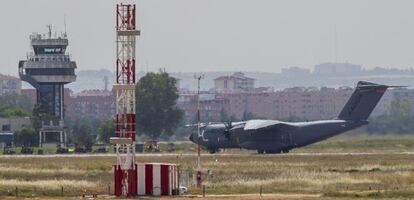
(52, 50)
(49, 50)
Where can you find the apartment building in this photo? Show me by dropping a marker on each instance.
(91, 103)
(9, 84)
(235, 82)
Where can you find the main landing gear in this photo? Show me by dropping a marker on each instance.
(213, 151)
(262, 151)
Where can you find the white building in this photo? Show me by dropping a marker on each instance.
(235, 82)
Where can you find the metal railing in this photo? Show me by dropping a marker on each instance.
(49, 57)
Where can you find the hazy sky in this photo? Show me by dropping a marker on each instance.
(225, 35)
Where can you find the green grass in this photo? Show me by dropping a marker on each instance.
(331, 175)
(345, 143)
(372, 195)
(386, 172)
(357, 142)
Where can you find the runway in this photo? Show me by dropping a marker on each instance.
(243, 154)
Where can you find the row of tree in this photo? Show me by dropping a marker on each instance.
(398, 119)
(15, 105)
(158, 115)
(156, 96)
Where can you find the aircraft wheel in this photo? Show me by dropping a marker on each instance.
(273, 151)
(260, 151)
(285, 151)
(212, 151)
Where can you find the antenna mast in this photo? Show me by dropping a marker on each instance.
(64, 24)
(125, 169)
(49, 33)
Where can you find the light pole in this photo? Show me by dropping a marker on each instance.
(198, 130)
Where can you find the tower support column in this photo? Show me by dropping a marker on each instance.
(40, 139)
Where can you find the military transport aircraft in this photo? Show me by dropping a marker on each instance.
(273, 136)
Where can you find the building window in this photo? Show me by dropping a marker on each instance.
(6, 127)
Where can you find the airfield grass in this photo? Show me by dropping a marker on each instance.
(384, 170)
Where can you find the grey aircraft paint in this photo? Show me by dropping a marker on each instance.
(272, 136)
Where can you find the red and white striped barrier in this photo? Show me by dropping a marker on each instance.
(157, 179)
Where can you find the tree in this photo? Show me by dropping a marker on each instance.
(40, 114)
(15, 105)
(399, 108)
(106, 130)
(398, 119)
(26, 136)
(84, 130)
(156, 97)
(13, 112)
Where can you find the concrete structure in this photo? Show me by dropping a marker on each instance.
(235, 82)
(48, 68)
(157, 179)
(9, 84)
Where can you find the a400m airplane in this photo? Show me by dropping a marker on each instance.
(273, 136)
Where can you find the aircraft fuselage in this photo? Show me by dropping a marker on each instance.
(298, 134)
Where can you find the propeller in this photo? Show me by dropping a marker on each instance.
(228, 125)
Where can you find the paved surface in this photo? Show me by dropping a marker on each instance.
(243, 154)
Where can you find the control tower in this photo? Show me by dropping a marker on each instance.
(48, 68)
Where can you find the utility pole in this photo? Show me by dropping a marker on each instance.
(199, 179)
(106, 82)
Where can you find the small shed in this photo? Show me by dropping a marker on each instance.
(6, 139)
(158, 179)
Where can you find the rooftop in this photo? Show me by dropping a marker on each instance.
(8, 77)
(237, 75)
(93, 92)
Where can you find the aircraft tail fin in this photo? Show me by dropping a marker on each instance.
(362, 101)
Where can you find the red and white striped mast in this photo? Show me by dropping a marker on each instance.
(125, 170)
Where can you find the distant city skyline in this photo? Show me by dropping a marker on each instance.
(220, 35)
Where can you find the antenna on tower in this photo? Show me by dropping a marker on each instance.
(106, 82)
(64, 24)
(335, 45)
(49, 26)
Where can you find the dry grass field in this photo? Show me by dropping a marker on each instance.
(349, 166)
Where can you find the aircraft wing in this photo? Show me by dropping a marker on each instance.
(202, 124)
(265, 124)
